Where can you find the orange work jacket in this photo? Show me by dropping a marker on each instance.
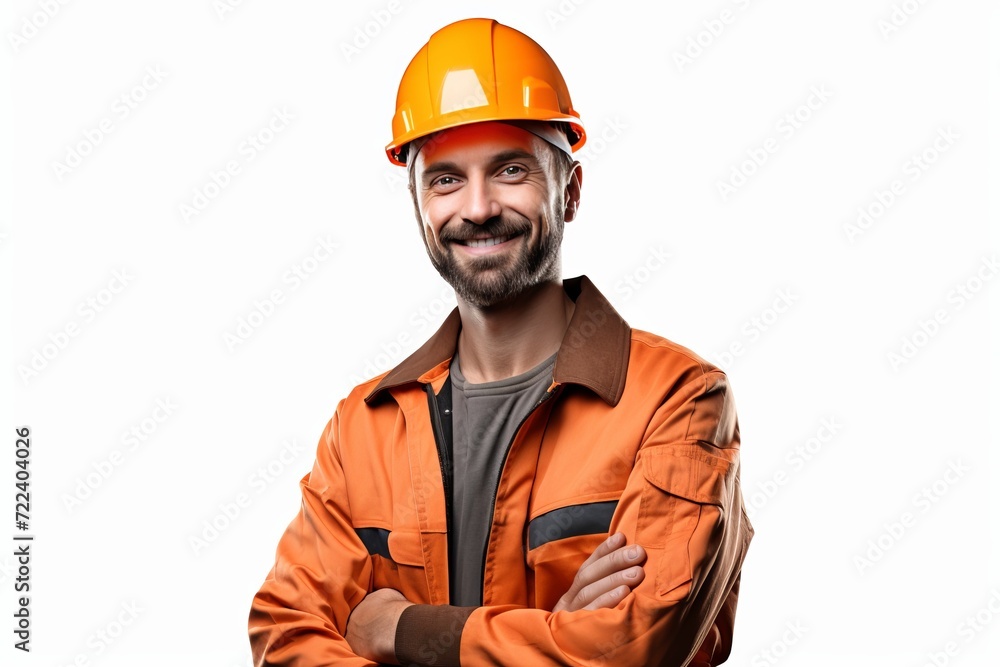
(635, 434)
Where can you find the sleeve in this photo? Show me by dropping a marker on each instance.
(683, 504)
(321, 572)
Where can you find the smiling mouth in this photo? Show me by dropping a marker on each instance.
(487, 242)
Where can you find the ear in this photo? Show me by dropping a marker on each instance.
(571, 195)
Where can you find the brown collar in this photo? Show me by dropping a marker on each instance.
(593, 353)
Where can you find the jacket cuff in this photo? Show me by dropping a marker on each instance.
(429, 634)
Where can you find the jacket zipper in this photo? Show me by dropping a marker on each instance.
(444, 458)
(496, 486)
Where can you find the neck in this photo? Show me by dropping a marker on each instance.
(502, 341)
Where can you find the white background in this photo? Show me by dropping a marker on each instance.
(832, 556)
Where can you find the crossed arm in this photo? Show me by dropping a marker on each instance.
(682, 503)
(604, 579)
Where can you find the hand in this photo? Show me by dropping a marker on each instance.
(371, 629)
(610, 573)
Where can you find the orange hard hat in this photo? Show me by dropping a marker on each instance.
(478, 70)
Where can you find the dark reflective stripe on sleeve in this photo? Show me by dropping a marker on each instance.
(376, 540)
(571, 521)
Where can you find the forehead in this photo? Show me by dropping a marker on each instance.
(478, 142)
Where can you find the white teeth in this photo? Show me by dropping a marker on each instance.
(486, 243)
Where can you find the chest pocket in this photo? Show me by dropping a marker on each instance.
(397, 560)
(558, 543)
(571, 521)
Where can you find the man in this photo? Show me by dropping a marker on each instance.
(538, 484)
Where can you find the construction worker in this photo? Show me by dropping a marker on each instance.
(539, 483)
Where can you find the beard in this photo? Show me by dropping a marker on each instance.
(490, 280)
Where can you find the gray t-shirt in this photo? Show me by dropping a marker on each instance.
(484, 419)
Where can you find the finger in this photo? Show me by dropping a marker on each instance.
(609, 590)
(604, 549)
(616, 561)
(609, 599)
(614, 541)
(609, 558)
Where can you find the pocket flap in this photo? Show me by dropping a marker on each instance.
(690, 472)
(405, 547)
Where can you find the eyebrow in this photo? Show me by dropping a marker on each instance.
(503, 156)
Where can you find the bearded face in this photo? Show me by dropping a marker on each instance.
(491, 210)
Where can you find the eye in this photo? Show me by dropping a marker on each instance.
(444, 183)
(513, 171)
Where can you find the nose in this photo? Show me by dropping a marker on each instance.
(480, 203)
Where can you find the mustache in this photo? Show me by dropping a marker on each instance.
(496, 226)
